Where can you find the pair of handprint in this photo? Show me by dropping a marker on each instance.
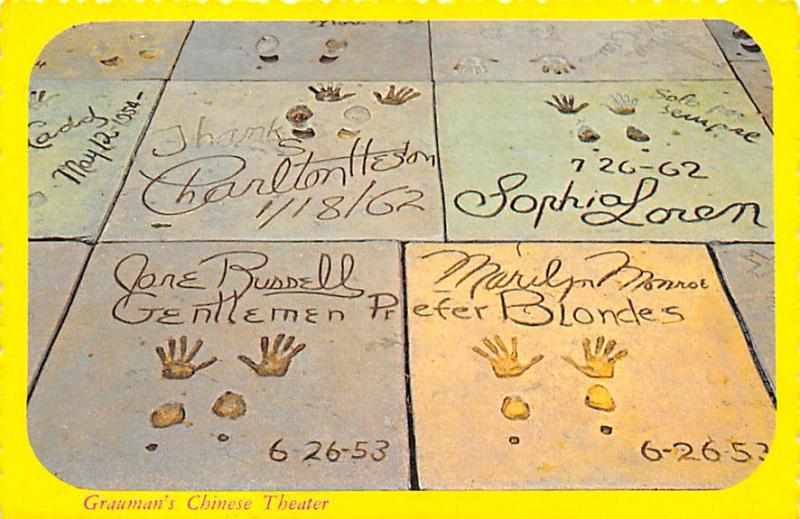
(177, 361)
(505, 363)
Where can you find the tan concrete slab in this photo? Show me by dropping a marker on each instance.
(675, 404)
(315, 50)
(53, 269)
(575, 51)
(756, 79)
(749, 272)
(736, 43)
(223, 160)
(114, 409)
(684, 161)
(81, 136)
(112, 50)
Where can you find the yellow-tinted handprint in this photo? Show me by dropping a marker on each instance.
(505, 364)
(274, 361)
(599, 363)
(180, 367)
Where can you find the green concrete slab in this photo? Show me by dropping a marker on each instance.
(575, 51)
(109, 412)
(53, 269)
(317, 50)
(756, 79)
(81, 135)
(678, 161)
(112, 50)
(675, 403)
(749, 272)
(736, 44)
(223, 160)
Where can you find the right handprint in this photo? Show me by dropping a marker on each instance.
(599, 361)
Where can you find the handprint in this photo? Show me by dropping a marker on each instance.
(329, 93)
(275, 360)
(623, 104)
(181, 367)
(566, 104)
(599, 363)
(555, 64)
(505, 364)
(403, 95)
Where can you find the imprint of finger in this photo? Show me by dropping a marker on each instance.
(247, 360)
(534, 360)
(264, 345)
(599, 348)
(480, 352)
(610, 347)
(587, 347)
(161, 354)
(276, 343)
(492, 347)
(184, 345)
(197, 345)
(171, 347)
(514, 353)
(620, 354)
(297, 349)
(500, 344)
(289, 341)
(206, 364)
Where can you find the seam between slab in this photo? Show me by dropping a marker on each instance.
(60, 324)
(743, 325)
(413, 473)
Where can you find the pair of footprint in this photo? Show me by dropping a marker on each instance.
(229, 405)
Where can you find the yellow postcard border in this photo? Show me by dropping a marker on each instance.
(27, 489)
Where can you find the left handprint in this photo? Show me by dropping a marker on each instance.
(181, 366)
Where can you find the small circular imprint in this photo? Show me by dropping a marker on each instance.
(167, 415)
(139, 37)
(587, 134)
(357, 114)
(230, 405)
(606, 429)
(267, 48)
(298, 115)
(635, 134)
(149, 54)
(515, 408)
(151, 446)
(223, 437)
(513, 440)
(36, 199)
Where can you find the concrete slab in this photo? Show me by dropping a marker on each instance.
(250, 160)
(736, 44)
(112, 50)
(749, 272)
(676, 403)
(757, 81)
(53, 269)
(81, 136)
(575, 51)
(678, 161)
(297, 51)
(114, 409)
